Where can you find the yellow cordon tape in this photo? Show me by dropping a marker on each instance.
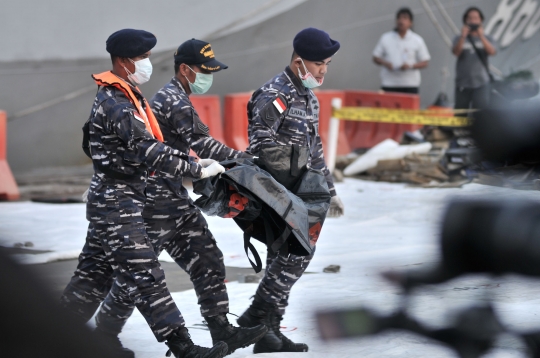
(402, 116)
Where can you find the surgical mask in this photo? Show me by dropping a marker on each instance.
(202, 83)
(143, 71)
(308, 80)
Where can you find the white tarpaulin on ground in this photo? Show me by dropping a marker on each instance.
(385, 226)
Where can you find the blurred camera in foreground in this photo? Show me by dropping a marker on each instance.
(479, 236)
(511, 133)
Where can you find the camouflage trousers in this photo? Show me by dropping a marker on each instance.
(127, 249)
(193, 247)
(280, 276)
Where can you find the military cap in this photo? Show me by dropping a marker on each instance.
(314, 45)
(200, 53)
(130, 43)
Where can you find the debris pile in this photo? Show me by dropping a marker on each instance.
(428, 164)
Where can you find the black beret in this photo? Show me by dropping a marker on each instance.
(130, 43)
(314, 45)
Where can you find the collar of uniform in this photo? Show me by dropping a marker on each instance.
(134, 89)
(295, 81)
(407, 34)
(178, 84)
(137, 93)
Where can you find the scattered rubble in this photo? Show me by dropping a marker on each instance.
(440, 161)
(249, 278)
(19, 245)
(428, 164)
(388, 149)
(332, 269)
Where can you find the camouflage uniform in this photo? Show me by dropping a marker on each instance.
(173, 222)
(284, 112)
(117, 239)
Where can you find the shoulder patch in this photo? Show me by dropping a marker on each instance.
(280, 106)
(273, 110)
(198, 126)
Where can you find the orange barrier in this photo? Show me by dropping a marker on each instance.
(8, 186)
(236, 120)
(366, 134)
(325, 113)
(209, 109)
(351, 134)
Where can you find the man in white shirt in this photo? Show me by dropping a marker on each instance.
(401, 53)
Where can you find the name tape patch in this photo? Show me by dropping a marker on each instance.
(295, 112)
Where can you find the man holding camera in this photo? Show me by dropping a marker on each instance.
(472, 49)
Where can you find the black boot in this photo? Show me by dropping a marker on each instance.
(235, 337)
(262, 312)
(113, 342)
(286, 345)
(181, 346)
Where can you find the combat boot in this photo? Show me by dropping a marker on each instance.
(286, 344)
(113, 343)
(235, 337)
(262, 312)
(181, 346)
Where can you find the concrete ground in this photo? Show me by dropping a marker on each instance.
(68, 183)
(56, 275)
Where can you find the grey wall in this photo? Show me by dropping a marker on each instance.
(254, 54)
(68, 29)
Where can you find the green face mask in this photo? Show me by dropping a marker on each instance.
(202, 83)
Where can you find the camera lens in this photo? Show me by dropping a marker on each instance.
(492, 236)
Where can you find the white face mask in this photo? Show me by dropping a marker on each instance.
(143, 71)
(308, 80)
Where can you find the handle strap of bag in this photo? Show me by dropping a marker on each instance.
(278, 244)
(482, 59)
(295, 155)
(257, 265)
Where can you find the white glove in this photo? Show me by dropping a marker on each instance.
(336, 208)
(206, 162)
(84, 197)
(211, 170)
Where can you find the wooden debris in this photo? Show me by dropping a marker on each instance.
(423, 170)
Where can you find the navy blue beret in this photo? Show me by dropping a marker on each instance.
(314, 45)
(130, 43)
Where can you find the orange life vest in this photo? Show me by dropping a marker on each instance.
(110, 79)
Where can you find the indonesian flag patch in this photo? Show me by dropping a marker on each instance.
(278, 103)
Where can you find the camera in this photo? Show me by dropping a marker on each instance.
(485, 236)
(473, 27)
(508, 134)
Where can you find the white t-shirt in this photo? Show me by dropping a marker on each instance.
(396, 50)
